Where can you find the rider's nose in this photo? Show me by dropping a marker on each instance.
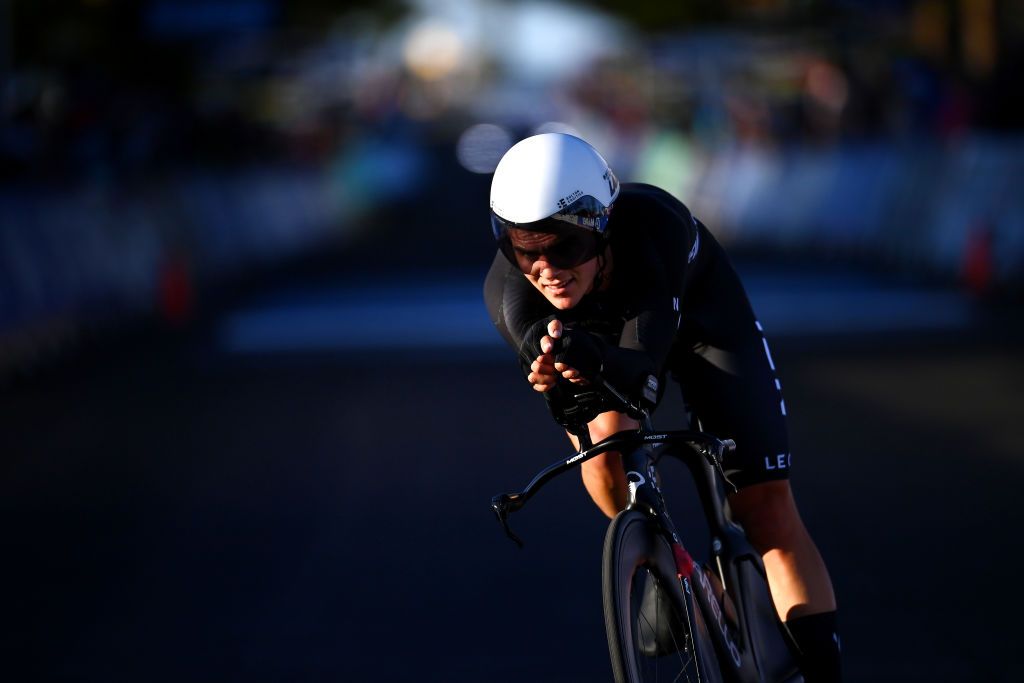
(545, 269)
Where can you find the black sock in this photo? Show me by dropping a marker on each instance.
(818, 639)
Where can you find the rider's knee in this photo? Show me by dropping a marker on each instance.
(605, 467)
(768, 513)
(606, 424)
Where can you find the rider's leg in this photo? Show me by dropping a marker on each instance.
(603, 476)
(799, 581)
(796, 573)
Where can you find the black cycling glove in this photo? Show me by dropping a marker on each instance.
(581, 350)
(577, 348)
(629, 371)
(529, 348)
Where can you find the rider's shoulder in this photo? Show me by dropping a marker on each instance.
(637, 199)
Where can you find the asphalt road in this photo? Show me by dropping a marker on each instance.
(172, 512)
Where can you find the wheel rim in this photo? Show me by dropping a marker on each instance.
(643, 596)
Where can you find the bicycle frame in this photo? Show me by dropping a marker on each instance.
(755, 648)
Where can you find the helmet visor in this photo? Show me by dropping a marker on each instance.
(567, 248)
(576, 229)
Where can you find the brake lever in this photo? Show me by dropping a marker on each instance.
(502, 507)
(716, 452)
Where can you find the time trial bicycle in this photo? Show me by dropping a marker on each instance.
(669, 617)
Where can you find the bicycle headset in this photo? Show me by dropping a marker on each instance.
(557, 184)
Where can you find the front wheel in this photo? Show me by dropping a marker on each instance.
(655, 632)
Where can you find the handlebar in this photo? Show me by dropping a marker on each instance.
(701, 444)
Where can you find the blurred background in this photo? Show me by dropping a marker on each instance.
(252, 409)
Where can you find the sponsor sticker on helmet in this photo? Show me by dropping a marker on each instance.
(569, 199)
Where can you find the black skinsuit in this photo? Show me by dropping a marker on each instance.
(675, 305)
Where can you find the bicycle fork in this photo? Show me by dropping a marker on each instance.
(644, 494)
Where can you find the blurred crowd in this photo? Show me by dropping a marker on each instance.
(143, 131)
(183, 86)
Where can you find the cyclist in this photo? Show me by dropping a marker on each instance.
(596, 277)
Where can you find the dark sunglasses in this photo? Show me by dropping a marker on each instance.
(568, 250)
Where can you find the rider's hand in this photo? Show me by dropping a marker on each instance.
(580, 354)
(543, 374)
(545, 371)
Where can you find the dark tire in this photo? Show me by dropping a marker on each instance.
(638, 563)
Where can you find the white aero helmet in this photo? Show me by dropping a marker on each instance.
(554, 183)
